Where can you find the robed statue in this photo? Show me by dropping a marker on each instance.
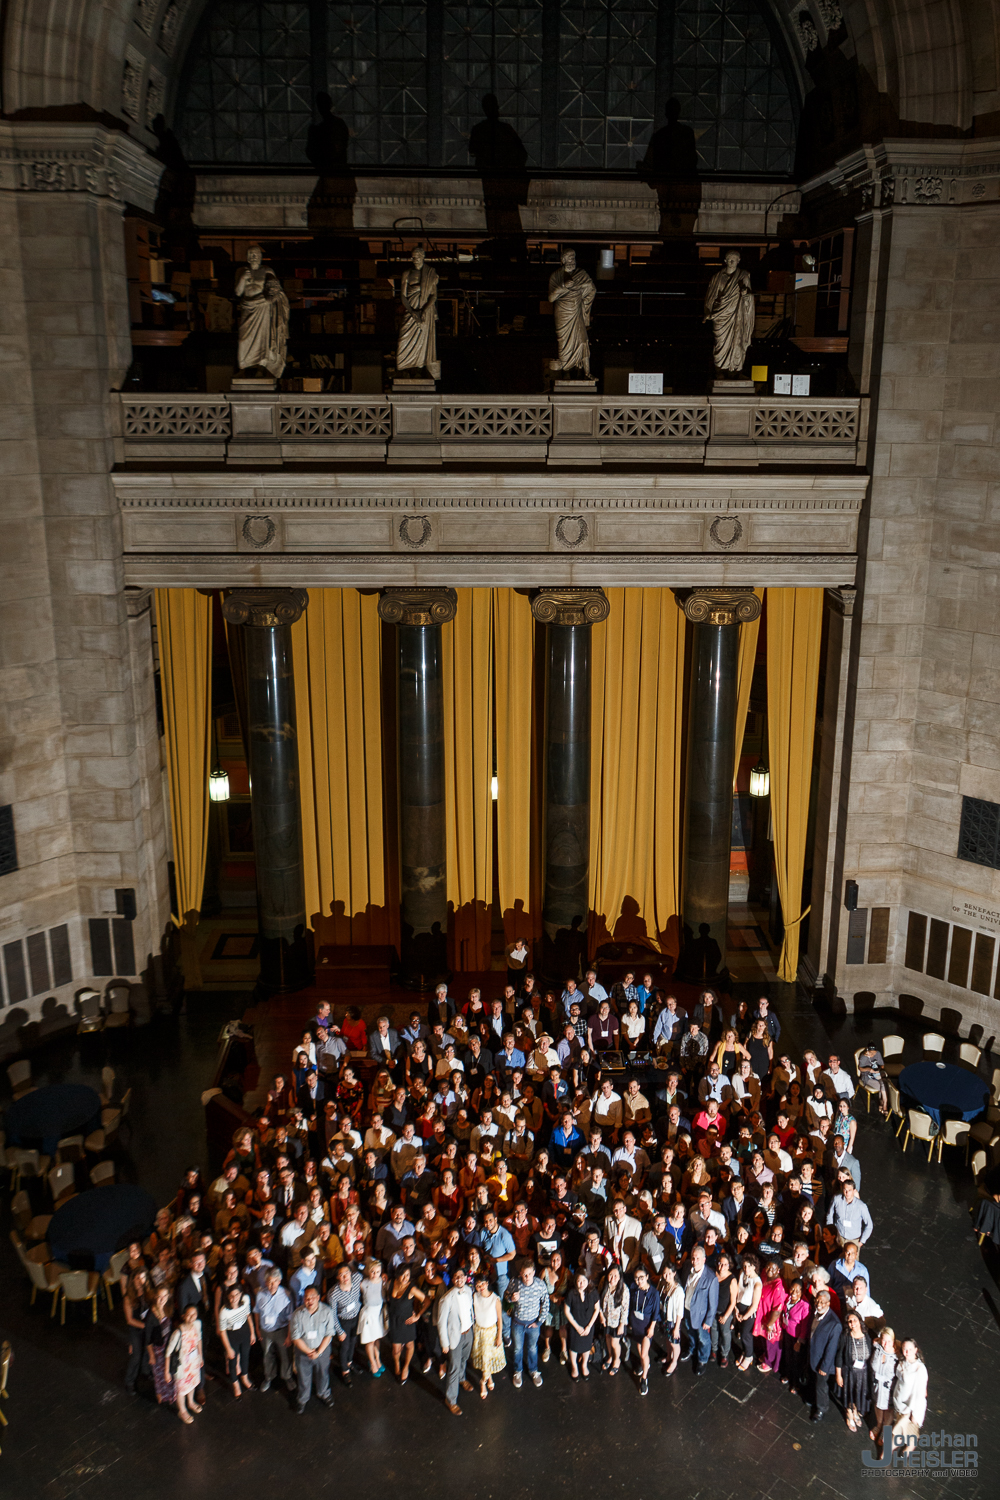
(416, 348)
(572, 294)
(263, 314)
(729, 307)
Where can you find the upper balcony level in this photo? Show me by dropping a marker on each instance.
(271, 428)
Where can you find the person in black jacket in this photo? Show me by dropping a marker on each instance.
(824, 1341)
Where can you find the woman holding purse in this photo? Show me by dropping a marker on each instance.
(184, 1360)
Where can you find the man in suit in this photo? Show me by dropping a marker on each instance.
(838, 1158)
(824, 1339)
(441, 1009)
(193, 1289)
(454, 1321)
(701, 1304)
(623, 1237)
(383, 1043)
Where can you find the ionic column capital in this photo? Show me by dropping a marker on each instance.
(263, 607)
(570, 606)
(723, 606)
(417, 606)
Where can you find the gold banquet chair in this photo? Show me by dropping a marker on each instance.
(921, 1128)
(953, 1133)
(79, 1286)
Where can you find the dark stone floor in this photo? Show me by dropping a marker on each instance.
(74, 1431)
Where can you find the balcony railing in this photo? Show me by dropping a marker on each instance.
(272, 428)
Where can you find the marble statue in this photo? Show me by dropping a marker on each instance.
(263, 315)
(416, 348)
(729, 307)
(572, 294)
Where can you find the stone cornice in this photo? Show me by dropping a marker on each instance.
(849, 500)
(916, 174)
(44, 157)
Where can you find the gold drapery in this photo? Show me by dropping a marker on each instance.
(467, 663)
(514, 653)
(337, 660)
(637, 692)
(184, 633)
(794, 632)
(744, 680)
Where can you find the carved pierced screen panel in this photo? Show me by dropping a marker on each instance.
(809, 423)
(664, 423)
(176, 419)
(979, 832)
(495, 422)
(690, 85)
(335, 419)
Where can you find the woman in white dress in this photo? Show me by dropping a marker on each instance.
(487, 1336)
(371, 1322)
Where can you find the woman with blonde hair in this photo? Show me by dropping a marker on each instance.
(883, 1374)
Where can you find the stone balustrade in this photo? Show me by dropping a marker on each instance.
(272, 428)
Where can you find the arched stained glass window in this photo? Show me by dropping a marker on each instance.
(582, 83)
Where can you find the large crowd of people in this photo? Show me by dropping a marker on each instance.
(577, 1182)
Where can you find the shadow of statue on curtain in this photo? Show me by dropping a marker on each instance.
(470, 935)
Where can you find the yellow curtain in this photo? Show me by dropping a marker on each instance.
(794, 630)
(337, 660)
(184, 633)
(514, 647)
(744, 679)
(637, 676)
(467, 661)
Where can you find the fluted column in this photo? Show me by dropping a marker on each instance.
(708, 793)
(266, 616)
(418, 615)
(568, 615)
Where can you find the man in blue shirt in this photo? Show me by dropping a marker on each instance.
(509, 1058)
(670, 1017)
(306, 1276)
(565, 1142)
(272, 1311)
(528, 1301)
(498, 1243)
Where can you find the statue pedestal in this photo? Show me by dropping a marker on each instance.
(254, 383)
(582, 387)
(740, 387)
(413, 385)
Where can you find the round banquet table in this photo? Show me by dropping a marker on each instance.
(97, 1223)
(43, 1117)
(942, 1088)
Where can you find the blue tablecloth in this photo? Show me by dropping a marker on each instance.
(97, 1223)
(44, 1116)
(955, 1092)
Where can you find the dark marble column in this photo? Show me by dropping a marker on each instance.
(568, 615)
(266, 615)
(418, 615)
(708, 793)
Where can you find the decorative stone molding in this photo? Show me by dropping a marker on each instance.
(265, 608)
(132, 83)
(418, 606)
(145, 15)
(842, 601)
(915, 174)
(38, 157)
(170, 29)
(730, 606)
(155, 94)
(570, 606)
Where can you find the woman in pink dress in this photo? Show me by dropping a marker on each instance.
(767, 1324)
(184, 1350)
